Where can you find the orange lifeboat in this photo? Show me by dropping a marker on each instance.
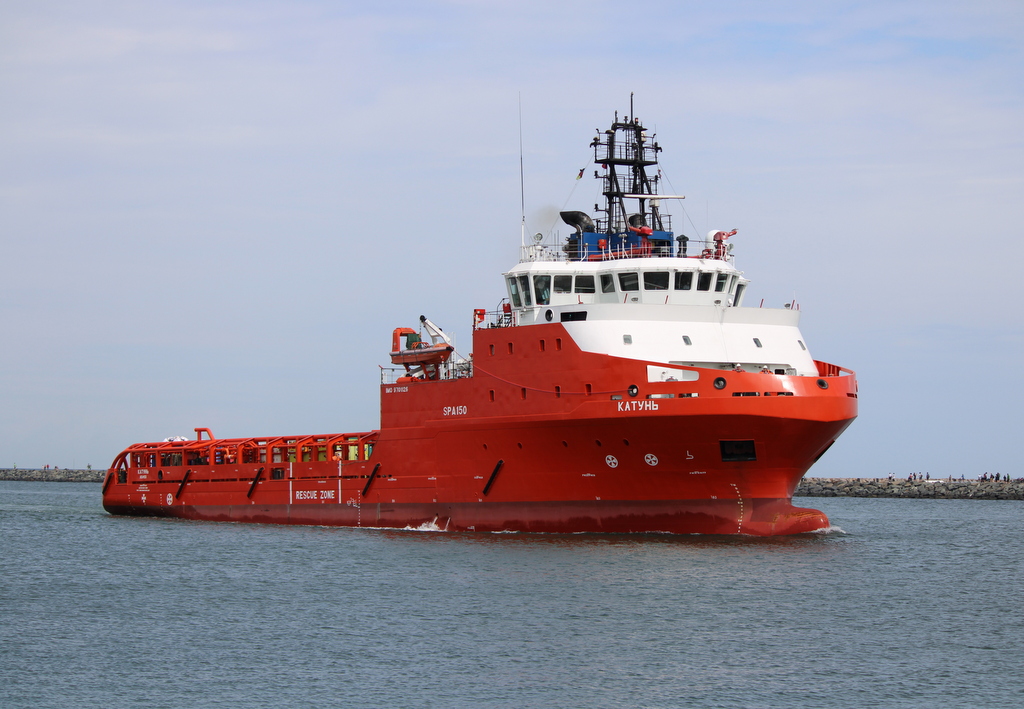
(416, 352)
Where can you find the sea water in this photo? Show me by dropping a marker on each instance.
(904, 603)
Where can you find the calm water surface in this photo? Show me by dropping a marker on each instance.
(914, 603)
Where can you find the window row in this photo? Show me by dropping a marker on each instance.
(628, 281)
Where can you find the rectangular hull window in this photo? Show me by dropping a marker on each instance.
(733, 451)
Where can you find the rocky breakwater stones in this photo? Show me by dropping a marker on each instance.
(938, 489)
(52, 475)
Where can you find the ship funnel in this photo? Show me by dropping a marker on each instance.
(580, 220)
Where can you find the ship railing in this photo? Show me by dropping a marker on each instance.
(241, 451)
(504, 316)
(390, 375)
(540, 252)
(646, 153)
(458, 369)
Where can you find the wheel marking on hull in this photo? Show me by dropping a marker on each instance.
(170, 499)
(651, 459)
(612, 461)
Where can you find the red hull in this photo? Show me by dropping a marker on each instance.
(554, 459)
(759, 517)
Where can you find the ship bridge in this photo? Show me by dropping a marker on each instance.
(542, 278)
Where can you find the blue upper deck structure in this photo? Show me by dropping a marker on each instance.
(623, 153)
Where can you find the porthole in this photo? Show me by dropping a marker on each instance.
(757, 342)
(720, 383)
(822, 384)
(633, 390)
(548, 315)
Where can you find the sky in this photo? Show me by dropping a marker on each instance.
(214, 213)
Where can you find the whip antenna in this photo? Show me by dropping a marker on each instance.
(522, 182)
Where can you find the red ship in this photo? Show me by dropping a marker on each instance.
(621, 387)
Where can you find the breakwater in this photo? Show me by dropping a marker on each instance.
(940, 489)
(809, 487)
(52, 475)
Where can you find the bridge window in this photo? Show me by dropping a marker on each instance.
(684, 280)
(629, 281)
(607, 283)
(513, 290)
(542, 285)
(732, 283)
(687, 340)
(585, 284)
(723, 278)
(524, 286)
(704, 281)
(739, 294)
(563, 284)
(655, 280)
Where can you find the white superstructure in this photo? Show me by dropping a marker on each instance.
(667, 309)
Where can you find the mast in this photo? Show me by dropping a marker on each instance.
(624, 152)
